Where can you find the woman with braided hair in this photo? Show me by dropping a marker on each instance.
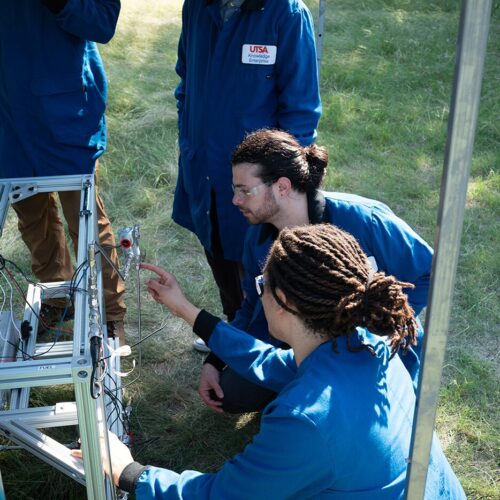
(347, 292)
(340, 426)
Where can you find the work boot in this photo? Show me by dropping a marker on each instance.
(116, 328)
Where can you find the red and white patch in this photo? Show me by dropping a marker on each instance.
(253, 53)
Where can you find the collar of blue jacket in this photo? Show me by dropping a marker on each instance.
(247, 4)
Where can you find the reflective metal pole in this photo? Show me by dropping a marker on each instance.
(471, 49)
(319, 33)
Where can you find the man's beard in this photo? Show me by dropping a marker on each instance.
(265, 213)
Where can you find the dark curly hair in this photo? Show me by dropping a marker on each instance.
(331, 286)
(280, 155)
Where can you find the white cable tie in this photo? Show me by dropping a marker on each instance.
(123, 350)
(125, 374)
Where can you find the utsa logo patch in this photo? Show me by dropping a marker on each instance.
(253, 53)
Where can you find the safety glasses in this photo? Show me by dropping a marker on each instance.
(259, 284)
(242, 192)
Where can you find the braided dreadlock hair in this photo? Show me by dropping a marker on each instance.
(279, 154)
(331, 286)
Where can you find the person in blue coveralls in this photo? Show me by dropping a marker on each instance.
(340, 426)
(243, 65)
(275, 182)
(52, 100)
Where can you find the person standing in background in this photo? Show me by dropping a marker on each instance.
(244, 65)
(52, 100)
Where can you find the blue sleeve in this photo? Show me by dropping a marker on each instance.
(253, 359)
(401, 252)
(299, 105)
(288, 458)
(93, 20)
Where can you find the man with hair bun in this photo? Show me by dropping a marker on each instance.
(276, 185)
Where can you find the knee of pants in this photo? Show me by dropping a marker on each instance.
(242, 396)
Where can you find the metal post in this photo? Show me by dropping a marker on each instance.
(471, 48)
(319, 33)
(91, 412)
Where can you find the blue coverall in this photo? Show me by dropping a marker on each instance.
(225, 91)
(339, 428)
(52, 86)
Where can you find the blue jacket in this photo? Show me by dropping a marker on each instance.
(52, 86)
(392, 245)
(220, 98)
(340, 428)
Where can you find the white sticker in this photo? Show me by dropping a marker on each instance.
(258, 54)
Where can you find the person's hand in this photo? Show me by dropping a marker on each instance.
(119, 453)
(209, 381)
(166, 290)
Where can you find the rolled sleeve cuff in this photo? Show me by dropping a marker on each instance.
(130, 475)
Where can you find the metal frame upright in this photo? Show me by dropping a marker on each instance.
(466, 91)
(70, 363)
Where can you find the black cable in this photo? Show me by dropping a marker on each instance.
(16, 283)
(116, 404)
(95, 351)
(109, 261)
(3, 260)
(13, 279)
(71, 292)
(161, 327)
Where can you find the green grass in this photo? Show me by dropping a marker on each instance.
(386, 84)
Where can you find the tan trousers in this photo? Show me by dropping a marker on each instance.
(43, 232)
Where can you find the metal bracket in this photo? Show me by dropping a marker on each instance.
(22, 191)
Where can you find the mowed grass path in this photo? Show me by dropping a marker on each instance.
(386, 84)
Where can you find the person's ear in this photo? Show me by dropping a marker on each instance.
(284, 186)
(281, 295)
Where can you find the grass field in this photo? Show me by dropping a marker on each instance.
(386, 83)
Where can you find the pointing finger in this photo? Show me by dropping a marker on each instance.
(156, 269)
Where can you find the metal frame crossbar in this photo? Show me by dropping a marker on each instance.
(68, 362)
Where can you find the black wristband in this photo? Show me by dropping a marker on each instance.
(212, 359)
(204, 325)
(130, 475)
(55, 6)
